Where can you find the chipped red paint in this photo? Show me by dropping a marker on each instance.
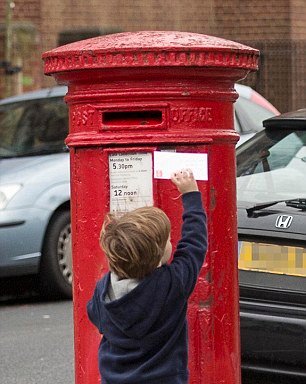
(138, 92)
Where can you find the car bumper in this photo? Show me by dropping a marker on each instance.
(273, 338)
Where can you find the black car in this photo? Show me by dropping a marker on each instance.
(271, 190)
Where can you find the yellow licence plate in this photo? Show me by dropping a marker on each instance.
(272, 258)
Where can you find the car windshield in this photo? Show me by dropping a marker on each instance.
(272, 166)
(34, 127)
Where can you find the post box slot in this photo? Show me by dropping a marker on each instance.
(132, 119)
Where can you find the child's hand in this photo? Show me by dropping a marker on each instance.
(184, 180)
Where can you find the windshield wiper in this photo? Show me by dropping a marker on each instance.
(295, 203)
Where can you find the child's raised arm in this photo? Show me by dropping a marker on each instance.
(191, 249)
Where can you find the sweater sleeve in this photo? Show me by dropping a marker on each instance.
(93, 309)
(190, 253)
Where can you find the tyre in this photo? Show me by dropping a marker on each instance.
(55, 274)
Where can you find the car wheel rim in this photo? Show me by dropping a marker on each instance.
(64, 253)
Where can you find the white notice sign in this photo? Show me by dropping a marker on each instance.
(165, 163)
(130, 181)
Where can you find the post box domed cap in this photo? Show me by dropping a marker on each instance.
(150, 49)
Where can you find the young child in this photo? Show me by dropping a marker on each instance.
(140, 305)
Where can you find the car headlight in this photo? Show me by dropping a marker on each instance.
(7, 192)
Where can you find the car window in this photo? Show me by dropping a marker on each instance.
(273, 167)
(8, 122)
(281, 154)
(33, 127)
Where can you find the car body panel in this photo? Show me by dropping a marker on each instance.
(21, 237)
(40, 174)
(24, 221)
(267, 219)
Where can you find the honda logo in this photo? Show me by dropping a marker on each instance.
(283, 221)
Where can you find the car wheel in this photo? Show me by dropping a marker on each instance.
(56, 263)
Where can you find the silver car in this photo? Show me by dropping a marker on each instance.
(34, 183)
(35, 190)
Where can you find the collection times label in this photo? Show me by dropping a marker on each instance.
(130, 181)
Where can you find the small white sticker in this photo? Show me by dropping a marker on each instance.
(165, 163)
(131, 183)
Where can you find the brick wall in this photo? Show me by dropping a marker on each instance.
(298, 20)
(277, 27)
(25, 46)
(2, 72)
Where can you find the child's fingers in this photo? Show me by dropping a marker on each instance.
(174, 178)
(187, 174)
(182, 174)
(176, 174)
(184, 180)
(190, 173)
(173, 175)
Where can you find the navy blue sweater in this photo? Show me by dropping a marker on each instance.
(145, 331)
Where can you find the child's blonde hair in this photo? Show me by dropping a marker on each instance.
(134, 243)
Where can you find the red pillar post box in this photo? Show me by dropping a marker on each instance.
(131, 95)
